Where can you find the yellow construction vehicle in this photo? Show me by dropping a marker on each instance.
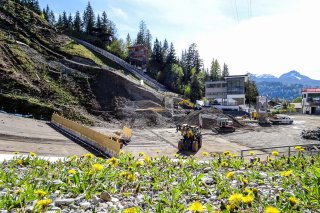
(192, 138)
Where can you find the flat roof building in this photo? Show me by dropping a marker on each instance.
(310, 101)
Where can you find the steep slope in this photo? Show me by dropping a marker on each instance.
(45, 70)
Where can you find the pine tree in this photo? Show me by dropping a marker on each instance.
(128, 40)
(165, 48)
(77, 22)
(142, 32)
(148, 42)
(65, 22)
(171, 57)
(46, 13)
(215, 70)
(225, 71)
(104, 22)
(88, 19)
(70, 23)
(99, 24)
(60, 23)
(52, 18)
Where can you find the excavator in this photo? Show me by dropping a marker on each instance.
(191, 138)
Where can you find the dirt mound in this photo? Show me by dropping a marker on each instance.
(143, 104)
(209, 118)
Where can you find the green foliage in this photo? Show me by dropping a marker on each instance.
(215, 70)
(297, 100)
(186, 104)
(251, 92)
(118, 47)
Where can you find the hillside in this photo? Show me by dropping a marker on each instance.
(42, 70)
(287, 86)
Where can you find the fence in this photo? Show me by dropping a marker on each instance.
(288, 150)
(106, 143)
(148, 80)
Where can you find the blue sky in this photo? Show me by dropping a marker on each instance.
(256, 36)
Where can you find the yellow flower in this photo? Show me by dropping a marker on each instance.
(205, 154)
(251, 153)
(97, 167)
(88, 156)
(247, 199)
(72, 171)
(224, 164)
(19, 161)
(286, 173)
(226, 153)
(130, 210)
(40, 193)
(230, 208)
(297, 148)
(147, 159)
(301, 150)
(271, 209)
(230, 175)
(244, 181)
(139, 163)
(113, 161)
(141, 154)
(131, 177)
(235, 198)
(123, 174)
(121, 152)
(269, 159)
(293, 201)
(248, 191)
(275, 153)
(32, 154)
(73, 157)
(196, 207)
(44, 203)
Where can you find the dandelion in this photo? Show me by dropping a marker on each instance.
(72, 171)
(123, 174)
(224, 164)
(131, 177)
(230, 175)
(113, 161)
(301, 150)
(226, 153)
(269, 159)
(275, 153)
(73, 157)
(196, 207)
(142, 154)
(235, 198)
(297, 148)
(248, 191)
(230, 208)
(130, 210)
(247, 199)
(121, 152)
(139, 163)
(205, 154)
(286, 173)
(147, 159)
(271, 209)
(32, 154)
(19, 162)
(244, 181)
(293, 201)
(40, 193)
(44, 203)
(88, 156)
(97, 167)
(251, 153)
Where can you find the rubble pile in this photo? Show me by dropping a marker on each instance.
(311, 134)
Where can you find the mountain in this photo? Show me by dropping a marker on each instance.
(288, 86)
(292, 77)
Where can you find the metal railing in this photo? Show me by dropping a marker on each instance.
(289, 149)
(148, 80)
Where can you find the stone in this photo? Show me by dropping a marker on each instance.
(85, 205)
(29, 209)
(95, 199)
(56, 182)
(114, 200)
(67, 201)
(105, 196)
(209, 181)
(207, 169)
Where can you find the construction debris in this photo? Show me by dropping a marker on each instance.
(311, 134)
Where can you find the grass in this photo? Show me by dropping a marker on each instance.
(280, 184)
(75, 49)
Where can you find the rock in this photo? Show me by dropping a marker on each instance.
(120, 207)
(56, 182)
(66, 202)
(207, 169)
(140, 198)
(85, 205)
(29, 209)
(95, 199)
(72, 206)
(209, 181)
(114, 200)
(105, 196)
(79, 198)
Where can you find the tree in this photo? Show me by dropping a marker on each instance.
(251, 92)
(88, 19)
(225, 71)
(142, 32)
(70, 23)
(148, 42)
(46, 13)
(196, 85)
(171, 57)
(52, 18)
(104, 22)
(60, 23)
(99, 23)
(77, 22)
(64, 20)
(165, 48)
(215, 70)
(297, 100)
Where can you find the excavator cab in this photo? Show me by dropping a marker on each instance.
(191, 138)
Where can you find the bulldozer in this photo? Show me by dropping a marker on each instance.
(192, 138)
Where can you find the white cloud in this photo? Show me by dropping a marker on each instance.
(119, 13)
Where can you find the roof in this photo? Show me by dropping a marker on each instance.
(235, 76)
(297, 105)
(311, 90)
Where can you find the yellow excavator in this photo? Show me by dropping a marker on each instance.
(192, 138)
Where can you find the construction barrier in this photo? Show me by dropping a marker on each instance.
(106, 143)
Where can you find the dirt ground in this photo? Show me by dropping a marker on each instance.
(27, 135)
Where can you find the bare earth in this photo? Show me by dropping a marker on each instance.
(27, 135)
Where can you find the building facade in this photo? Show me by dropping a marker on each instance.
(228, 92)
(310, 101)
